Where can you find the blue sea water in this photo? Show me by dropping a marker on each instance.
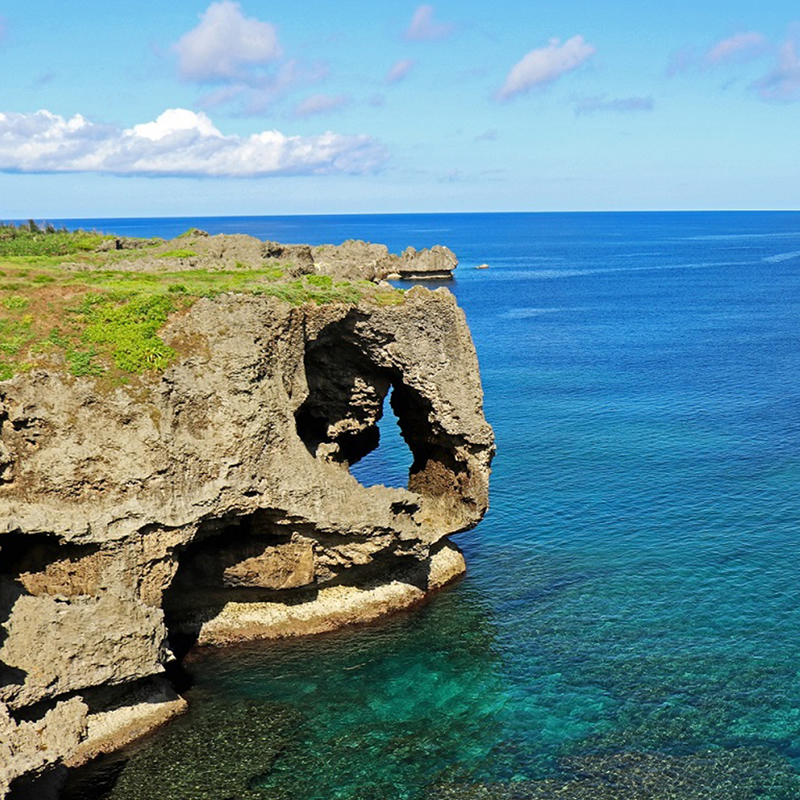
(632, 600)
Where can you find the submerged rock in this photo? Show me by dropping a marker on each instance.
(738, 774)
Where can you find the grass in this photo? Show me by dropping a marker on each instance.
(15, 301)
(100, 320)
(183, 253)
(31, 240)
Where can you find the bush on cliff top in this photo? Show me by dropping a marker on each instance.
(99, 322)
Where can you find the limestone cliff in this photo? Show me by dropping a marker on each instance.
(214, 501)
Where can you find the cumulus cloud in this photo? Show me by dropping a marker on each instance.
(225, 44)
(782, 83)
(424, 28)
(620, 105)
(241, 61)
(739, 47)
(180, 143)
(399, 70)
(319, 104)
(545, 66)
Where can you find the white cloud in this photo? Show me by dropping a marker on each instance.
(739, 47)
(319, 104)
(621, 105)
(545, 65)
(782, 83)
(424, 28)
(240, 61)
(179, 143)
(399, 70)
(175, 120)
(225, 44)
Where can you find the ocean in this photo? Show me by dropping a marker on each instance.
(630, 623)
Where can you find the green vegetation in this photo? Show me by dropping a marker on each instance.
(178, 254)
(100, 316)
(320, 281)
(128, 327)
(15, 301)
(31, 240)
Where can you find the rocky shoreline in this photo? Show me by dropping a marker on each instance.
(351, 260)
(212, 500)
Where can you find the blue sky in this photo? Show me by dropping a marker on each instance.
(206, 108)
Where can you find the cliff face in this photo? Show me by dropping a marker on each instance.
(215, 502)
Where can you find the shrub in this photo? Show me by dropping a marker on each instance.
(322, 281)
(129, 327)
(81, 363)
(15, 302)
(28, 239)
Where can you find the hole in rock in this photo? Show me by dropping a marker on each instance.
(342, 419)
(390, 462)
(345, 418)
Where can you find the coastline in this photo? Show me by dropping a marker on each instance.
(175, 470)
(333, 609)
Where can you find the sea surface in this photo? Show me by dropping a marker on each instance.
(630, 623)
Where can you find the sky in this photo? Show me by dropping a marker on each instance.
(197, 108)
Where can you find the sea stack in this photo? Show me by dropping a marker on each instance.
(212, 501)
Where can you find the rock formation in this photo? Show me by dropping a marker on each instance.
(351, 260)
(214, 501)
(366, 261)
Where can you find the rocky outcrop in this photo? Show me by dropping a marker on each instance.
(437, 263)
(357, 260)
(215, 502)
(351, 260)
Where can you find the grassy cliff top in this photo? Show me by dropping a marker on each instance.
(93, 305)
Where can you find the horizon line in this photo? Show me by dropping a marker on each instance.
(26, 218)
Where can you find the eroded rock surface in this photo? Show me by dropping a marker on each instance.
(351, 260)
(215, 502)
(355, 259)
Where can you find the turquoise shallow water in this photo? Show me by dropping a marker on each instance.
(630, 623)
